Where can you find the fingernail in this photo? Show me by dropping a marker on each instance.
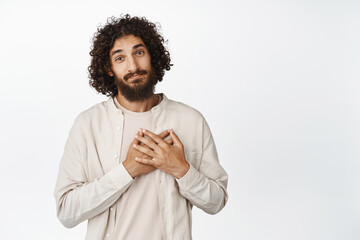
(136, 136)
(134, 145)
(143, 131)
(136, 158)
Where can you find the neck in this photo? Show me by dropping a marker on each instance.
(138, 106)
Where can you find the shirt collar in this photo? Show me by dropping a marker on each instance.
(111, 104)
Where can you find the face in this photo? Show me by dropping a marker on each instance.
(131, 68)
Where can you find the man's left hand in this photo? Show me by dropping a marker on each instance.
(167, 157)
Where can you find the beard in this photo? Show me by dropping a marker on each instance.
(139, 92)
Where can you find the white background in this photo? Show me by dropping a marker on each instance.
(278, 82)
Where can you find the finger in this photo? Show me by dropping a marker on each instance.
(145, 150)
(141, 134)
(148, 142)
(164, 134)
(155, 137)
(145, 161)
(135, 140)
(175, 138)
(169, 141)
(167, 137)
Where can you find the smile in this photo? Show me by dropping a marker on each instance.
(135, 76)
(135, 80)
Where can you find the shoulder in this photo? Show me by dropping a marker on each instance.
(94, 113)
(182, 109)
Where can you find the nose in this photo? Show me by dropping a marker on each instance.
(132, 64)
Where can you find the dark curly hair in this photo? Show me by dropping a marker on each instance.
(104, 40)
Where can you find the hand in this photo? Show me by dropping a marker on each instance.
(135, 168)
(169, 158)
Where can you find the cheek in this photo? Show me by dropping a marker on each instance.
(148, 66)
(146, 63)
(119, 72)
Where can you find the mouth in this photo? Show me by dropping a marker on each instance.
(135, 79)
(135, 76)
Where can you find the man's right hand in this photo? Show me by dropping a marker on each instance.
(135, 168)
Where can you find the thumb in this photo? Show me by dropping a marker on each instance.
(135, 141)
(175, 138)
(164, 134)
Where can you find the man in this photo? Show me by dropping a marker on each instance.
(134, 165)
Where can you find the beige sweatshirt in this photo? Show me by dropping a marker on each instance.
(91, 179)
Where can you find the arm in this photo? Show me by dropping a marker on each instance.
(77, 199)
(204, 188)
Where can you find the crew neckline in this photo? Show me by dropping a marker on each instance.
(127, 111)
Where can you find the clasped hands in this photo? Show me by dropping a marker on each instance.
(153, 151)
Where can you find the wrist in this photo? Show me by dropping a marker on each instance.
(129, 168)
(183, 170)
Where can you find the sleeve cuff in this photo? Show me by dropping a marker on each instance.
(188, 179)
(118, 176)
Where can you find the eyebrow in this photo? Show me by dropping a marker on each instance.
(134, 47)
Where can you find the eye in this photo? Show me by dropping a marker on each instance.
(119, 59)
(140, 52)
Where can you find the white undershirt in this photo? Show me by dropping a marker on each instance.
(137, 210)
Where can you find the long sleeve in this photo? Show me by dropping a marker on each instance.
(77, 198)
(206, 187)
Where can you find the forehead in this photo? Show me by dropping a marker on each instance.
(126, 43)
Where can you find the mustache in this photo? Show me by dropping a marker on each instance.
(138, 72)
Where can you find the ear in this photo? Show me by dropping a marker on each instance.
(109, 72)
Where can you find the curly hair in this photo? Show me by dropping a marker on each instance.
(104, 39)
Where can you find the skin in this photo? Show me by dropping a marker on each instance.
(169, 158)
(136, 168)
(129, 54)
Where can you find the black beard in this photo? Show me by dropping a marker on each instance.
(139, 93)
